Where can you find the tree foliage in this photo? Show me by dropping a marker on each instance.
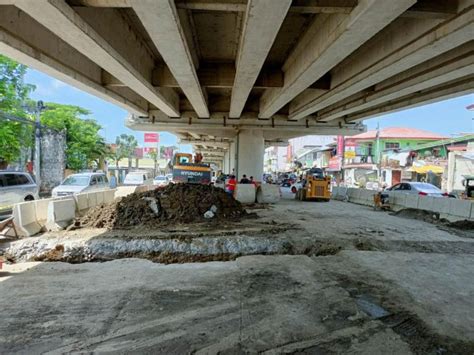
(84, 144)
(13, 96)
(125, 145)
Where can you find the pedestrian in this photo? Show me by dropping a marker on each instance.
(113, 181)
(252, 181)
(230, 187)
(244, 180)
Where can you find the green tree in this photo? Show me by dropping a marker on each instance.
(84, 144)
(14, 93)
(125, 148)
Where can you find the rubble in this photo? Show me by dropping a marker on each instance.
(176, 203)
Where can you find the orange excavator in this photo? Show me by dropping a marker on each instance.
(186, 170)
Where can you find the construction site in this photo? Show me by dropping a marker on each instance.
(200, 265)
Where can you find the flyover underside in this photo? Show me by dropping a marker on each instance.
(207, 70)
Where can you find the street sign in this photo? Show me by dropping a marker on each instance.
(152, 138)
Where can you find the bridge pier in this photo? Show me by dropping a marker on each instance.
(250, 153)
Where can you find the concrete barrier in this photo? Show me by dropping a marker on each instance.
(24, 218)
(411, 201)
(427, 203)
(123, 191)
(460, 208)
(41, 208)
(268, 193)
(82, 203)
(60, 214)
(109, 195)
(245, 193)
(99, 195)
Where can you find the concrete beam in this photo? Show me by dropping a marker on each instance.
(326, 43)
(464, 86)
(34, 46)
(454, 65)
(212, 153)
(210, 143)
(219, 124)
(262, 22)
(442, 38)
(216, 75)
(64, 22)
(160, 19)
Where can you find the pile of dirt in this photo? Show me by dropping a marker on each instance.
(176, 203)
(466, 224)
(413, 213)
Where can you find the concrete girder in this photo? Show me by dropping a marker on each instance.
(214, 75)
(160, 19)
(219, 125)
(33, 45)
(262, 22)
(453, 65)
(210, 153)
(326, 43)
(442, 38)
(64, 22)
(209, 143)
(464, 86)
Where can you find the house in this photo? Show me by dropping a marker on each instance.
(364, 154)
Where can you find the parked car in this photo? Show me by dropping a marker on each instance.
(83, 182)
(16, 187)
(420, 188)
(135, 178)
(160, 180)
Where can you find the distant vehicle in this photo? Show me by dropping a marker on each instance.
(83, 182)
(419, 188)
(160, 180)
(135, 178)
(16, 187)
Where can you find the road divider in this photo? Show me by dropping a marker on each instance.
(245, 193)
(268, 193)
(449, 208)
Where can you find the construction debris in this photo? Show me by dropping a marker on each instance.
(176, 203)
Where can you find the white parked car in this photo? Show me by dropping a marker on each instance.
(16, 187)
(136, 178)
(83, 182)
(160, 180)
(418, 188)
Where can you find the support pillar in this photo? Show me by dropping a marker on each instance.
(225, 165)
(232, 156)
(250, 154)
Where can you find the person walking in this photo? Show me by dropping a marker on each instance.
(244, 180)
(231, 184)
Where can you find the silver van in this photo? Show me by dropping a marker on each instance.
(16, 187)
(83, 182)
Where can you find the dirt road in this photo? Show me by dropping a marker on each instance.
(344, 279)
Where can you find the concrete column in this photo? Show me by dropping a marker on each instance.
(232, 156)
(225, 163)
(250, 153)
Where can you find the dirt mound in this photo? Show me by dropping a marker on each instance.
(413, 213)
(463, 225)
(176, 203)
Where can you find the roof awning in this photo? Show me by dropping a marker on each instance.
(424, 169)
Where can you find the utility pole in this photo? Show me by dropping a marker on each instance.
(37, 164)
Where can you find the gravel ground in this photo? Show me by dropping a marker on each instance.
(346, 279)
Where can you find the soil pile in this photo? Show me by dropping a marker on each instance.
(176, 203)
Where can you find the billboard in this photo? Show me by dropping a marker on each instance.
(152, 138)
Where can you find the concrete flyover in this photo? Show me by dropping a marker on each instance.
(234, 76)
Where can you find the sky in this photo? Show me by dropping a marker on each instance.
(109, 116)
(449, 117)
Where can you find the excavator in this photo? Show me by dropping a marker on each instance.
(186, 170)
(315, 186)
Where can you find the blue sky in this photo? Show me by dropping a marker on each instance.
(448, 117)
(109, 116)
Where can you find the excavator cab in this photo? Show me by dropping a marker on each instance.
(316, 186)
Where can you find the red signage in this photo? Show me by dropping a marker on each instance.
(340, 146)
(152, 138)
(334, 164)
